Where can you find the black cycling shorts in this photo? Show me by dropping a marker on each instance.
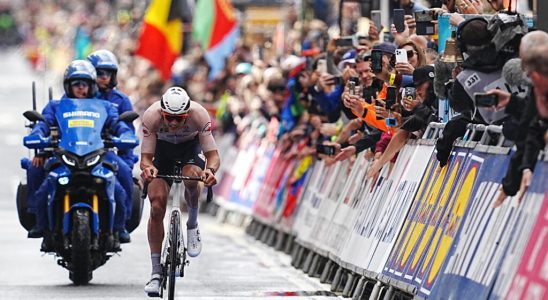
(166, 154)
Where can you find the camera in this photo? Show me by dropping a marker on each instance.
(390, 122)
(325, 149)
(424, 22)
(485, 100)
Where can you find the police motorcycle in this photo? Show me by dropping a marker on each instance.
(80, 205)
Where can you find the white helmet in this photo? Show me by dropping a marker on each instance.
(175, 101)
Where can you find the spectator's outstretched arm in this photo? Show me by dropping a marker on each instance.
(396, 144)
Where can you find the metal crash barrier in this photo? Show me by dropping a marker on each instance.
(416, 230)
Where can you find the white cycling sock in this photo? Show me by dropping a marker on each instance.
(156, 265)
(192, 221)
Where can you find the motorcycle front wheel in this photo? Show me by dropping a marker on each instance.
(81, 268)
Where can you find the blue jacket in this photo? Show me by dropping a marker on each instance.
(119, 100)
(122, 103)
(42, 128)
(328, 102)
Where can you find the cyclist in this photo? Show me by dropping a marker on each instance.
(175, 128)
(78, 83)
(106, 66)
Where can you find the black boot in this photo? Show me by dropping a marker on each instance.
(124, 237)
(47, 243)
(35, 233)
(116, 242)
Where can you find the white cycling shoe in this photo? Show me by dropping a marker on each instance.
(194, 242)
(152, 288)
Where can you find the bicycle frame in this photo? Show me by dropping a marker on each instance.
(176, 259)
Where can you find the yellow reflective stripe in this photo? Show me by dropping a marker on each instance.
(95, 204)
(67, 202)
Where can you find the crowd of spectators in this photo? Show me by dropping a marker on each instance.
(336, 97)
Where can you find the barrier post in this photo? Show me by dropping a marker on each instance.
(359, 289)
(308, 261)
(389, 293)
(350, 285)
(376, 291)
(314, 265)
(326, 271)
(290, 244)
(337, 280)
(280, 240)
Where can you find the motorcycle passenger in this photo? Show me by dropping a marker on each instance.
(175, 129)
(106, 66)
(78, 83)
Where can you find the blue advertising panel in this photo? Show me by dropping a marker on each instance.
(437, 191)
(490, 242)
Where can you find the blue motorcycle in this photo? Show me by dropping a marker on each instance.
(80, 205)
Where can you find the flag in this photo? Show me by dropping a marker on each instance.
(216, 29)
(161, 37)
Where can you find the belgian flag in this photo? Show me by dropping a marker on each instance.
(161, 37)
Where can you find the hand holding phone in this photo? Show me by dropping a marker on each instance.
(485, 99)
(390, 96)
(399, 20)
(376, 61)
(325, 149)
(376, 18)
(401, 56)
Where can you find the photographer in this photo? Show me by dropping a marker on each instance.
(481, 71)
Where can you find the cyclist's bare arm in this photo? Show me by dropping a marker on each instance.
(212, 165)
(149, 172)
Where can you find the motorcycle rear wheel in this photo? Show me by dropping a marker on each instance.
(26, 219)
(81, 268)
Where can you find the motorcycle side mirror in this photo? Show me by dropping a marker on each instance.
(129, 116)
(33, 116)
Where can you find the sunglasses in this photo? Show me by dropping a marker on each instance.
(79, 83)
(177, 118)
(410, 54)
(103, 72)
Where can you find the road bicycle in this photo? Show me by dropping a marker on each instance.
(173, 257)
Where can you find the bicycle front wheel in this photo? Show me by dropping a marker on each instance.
(173, 260)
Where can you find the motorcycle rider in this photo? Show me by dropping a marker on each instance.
(106, 66)
(175, 128)
(78, 83)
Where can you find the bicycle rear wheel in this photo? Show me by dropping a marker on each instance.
(173, 253)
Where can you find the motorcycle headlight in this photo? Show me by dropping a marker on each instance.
(68, 160)
(93, 160)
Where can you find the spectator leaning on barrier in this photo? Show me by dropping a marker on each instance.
(417, 113)
(534, 117)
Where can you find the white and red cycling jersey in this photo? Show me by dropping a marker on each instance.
(197, 124)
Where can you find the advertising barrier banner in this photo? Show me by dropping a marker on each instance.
(442, 196)
(368, 208)
(531, 280)
(490, 241)
(397, 205)
(326, 198)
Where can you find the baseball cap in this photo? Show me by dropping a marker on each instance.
(423, 74)
(387, 48)
(348, 58)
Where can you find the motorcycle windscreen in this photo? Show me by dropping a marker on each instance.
(80, 124)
